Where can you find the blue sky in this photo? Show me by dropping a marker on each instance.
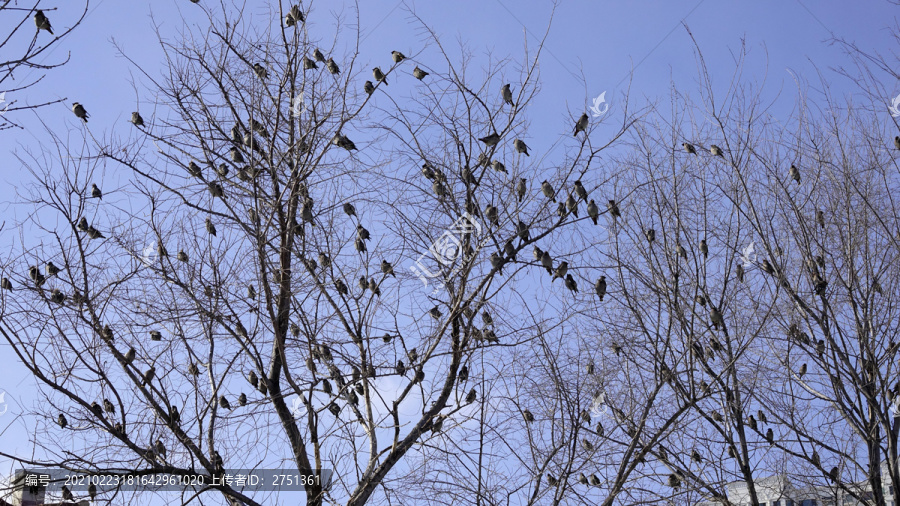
(601, 41)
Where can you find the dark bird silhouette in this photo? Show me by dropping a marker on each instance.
(51, 269)
(80, 111)
(520, 147)
(794, 173)
(41, 21)
(600, 288)
(419, 73)
(148, 376)
(491, 139)
(572, 205)
(547, 262)
(506, 93)
(571, 284)
(379, 76)
(547, 190)
(593, 211)
(561, 270)
(521, 188)
(613, 209)
(260, 71)
(581, 125)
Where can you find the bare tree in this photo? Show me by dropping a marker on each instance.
(260, 238)
(29, 37)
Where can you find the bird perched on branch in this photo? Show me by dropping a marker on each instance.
(491, 139)
(368, 87)
(581, 124)
(521, 188)
(332, 66)
(79, 111)
(613, 209)
(136, 119)
(689, 148)
(716, 150)
(210, 227)
(260, 71)
(506, 93)
(148, 376)
(593, 211)
(296, 15)
(41, 21)
(561, 270)
(580, 191)
(716, 317)
(51, 269)
(397, 56)
(794, 173)
(520, 147)
(419, 73)
(379, 75)
(571, 284)
(548, 191)
(600, 288)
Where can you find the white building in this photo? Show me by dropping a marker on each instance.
(780, 491)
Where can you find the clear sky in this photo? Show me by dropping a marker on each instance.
(592, 47)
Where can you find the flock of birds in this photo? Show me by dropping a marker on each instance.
(570, 205)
